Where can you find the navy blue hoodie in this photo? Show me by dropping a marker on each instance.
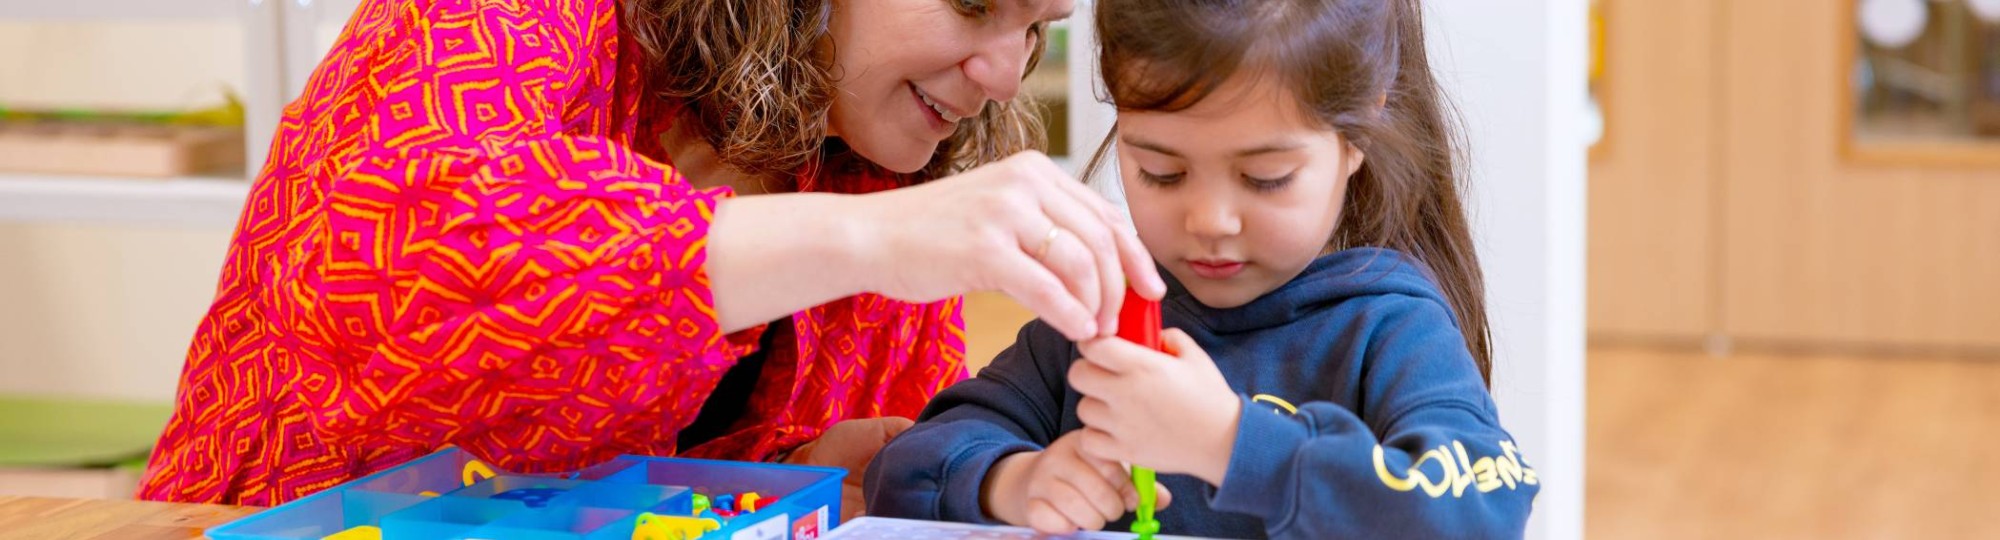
(1394, 434)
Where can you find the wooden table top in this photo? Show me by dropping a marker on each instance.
(81, 519)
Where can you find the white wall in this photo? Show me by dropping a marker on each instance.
(153, 65)
(104, 312)
(1517, 71)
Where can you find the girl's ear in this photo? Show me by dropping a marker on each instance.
(1351, 154)
(1351, 157)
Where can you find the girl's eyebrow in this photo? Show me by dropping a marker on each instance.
(1266, 148)
(1149, 145)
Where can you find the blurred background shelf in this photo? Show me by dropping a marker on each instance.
(280, 43)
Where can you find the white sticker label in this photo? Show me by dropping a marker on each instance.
(769, 529)
(810, 526)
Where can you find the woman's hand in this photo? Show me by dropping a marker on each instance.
(850, 444)
(1021, 226)
(1060, 490)
(1170, 411)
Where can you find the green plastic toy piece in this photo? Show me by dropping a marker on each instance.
(1144, 525)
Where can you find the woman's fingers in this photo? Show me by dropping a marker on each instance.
(1029, 282)
(1089, 218)
(1066, 256)
(1135, 263)
(1083, 247)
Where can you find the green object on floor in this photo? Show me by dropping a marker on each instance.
(57, 432)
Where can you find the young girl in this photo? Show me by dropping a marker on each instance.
(1288, 163)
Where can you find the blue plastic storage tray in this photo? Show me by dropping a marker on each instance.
(450, 494)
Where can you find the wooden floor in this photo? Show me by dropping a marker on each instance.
(1687, 445)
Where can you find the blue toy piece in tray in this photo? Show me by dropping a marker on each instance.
(450, 494)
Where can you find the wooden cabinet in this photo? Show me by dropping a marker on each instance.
(1652, 177)
(1727, 201)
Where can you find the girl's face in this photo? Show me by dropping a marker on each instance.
(1237, 194)
(909, 70)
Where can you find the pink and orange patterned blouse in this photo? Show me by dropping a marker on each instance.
(467, 234)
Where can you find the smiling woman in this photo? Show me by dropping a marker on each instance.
(891, 60)
(552, 233)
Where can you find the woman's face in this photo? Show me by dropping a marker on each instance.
(909, 70)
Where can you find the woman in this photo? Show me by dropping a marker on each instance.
(510, 227)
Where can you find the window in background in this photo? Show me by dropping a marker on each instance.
(1926, 80)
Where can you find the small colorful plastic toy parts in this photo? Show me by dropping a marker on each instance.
(724, 503)
(1139, 322)
(700, 503)
(750, 502)
(653, 526)
(364, 532)
(475, 471)
(535, 497)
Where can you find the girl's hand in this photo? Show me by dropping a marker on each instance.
(1172, 412)
(1060, 490)
(1021, 226)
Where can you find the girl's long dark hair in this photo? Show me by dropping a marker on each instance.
(1357, 66)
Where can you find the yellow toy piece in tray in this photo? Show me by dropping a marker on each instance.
(364, 532)
(658, 527)
(475, 471)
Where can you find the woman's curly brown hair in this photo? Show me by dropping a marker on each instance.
(756, 77)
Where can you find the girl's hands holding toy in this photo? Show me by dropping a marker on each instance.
(1059, 489)
(1169, 411)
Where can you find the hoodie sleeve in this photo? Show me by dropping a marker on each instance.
(1425, 458)
(935, 470)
